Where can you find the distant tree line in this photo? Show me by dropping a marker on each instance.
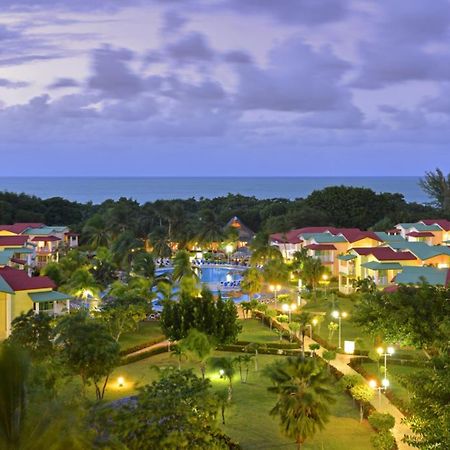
(204, 219)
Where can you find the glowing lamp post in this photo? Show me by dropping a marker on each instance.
(388, 352)
(229, 250)
(338, 315)
(384, 385)
(289, 308)
(120, 381)
(275, 288)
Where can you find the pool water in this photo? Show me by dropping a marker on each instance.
(212, 274)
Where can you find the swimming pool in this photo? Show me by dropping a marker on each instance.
(213, 275)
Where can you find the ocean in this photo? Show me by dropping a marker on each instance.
(142, 189)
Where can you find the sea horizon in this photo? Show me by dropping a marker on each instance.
(147, 188)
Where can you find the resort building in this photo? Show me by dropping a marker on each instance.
(20, 293)
(351, 254)
(48, 241)
(245, 235)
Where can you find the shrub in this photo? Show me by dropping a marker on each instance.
(383, 441)
(381, 422)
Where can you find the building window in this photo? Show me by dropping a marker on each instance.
(46, 306)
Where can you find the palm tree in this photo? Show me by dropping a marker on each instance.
(294, 328)
(243, 362)
(182, 267)
(312, 272)
(14, 369)
(304, 393)
(199, 345)
(143, 264)
(97, 232)
(226, 366)
(252, 281)
(123, 248)
(159, 242)
(210, 228)
(82, 285)
(222, 400)
(262, 251)
(304, 320)
(437, 186)
(180, 352)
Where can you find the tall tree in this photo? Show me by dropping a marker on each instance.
(200, 347)
(159, 242)
(312, 272)
(96, 232)
(252, 281)
(87, 350)
(437, 186)
(226, 365)
(304, 395)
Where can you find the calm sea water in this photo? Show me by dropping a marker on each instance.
(142, 189)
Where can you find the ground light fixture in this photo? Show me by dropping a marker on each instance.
(339, 315)
(289, 308)
(221, 373)
(229, 250)
(388, 352)
(120, 381)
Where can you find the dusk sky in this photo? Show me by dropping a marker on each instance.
(224, 87)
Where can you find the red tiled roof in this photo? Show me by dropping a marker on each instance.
(355, 234)
(420, 234)
(20, 281)
(320, 247)
(363, 250)
(286, 238)
(385, 254)
(20, 227)
(45, 239)
(22, 262)
(443, 223)
(18, 241)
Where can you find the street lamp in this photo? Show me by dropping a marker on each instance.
(388, 352)
(275, 288)
(325, 281)
(339, 316)
(229, 250)
(120, 381)
(384, 385)
(289, 308)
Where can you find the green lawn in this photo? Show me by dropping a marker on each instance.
(147, 331)
(254, 331)
(350, 331)
(394, 373)
(247, 419)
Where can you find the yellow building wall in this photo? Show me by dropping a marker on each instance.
(2, 315)
(443, 260)
(7, 233)
(366, 242)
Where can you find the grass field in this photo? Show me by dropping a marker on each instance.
(147, 331)
(247, 419)
(394, 373)
(254, 331)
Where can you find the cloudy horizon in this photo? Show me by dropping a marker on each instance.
(224, 87)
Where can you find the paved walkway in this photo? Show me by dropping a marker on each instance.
(380, 403)
(146, 349)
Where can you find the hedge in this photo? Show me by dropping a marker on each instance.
(261, 350)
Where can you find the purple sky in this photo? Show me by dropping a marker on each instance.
(224, 87)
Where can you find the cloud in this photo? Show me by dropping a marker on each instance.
(191, 47)
(404, 45)
(112, 75)
(237, 57)
(8, 84)
(61, 83)
(173, 22)
(297, 78)
(308, 12)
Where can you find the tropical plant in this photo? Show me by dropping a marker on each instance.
(243, 363)
(199, 346)
(328, 356)
(226, 366)
(252, 281)
(143, 264)
(96, 232)
(271, 314)
(83, 285)
(159, 242)
(182, 267)
(180, 352)
(362, 393)
(437, 186)
(312, 272)
(124, 247)
(304, 320)
(304, 393)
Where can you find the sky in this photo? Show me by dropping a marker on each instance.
(224, 87)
